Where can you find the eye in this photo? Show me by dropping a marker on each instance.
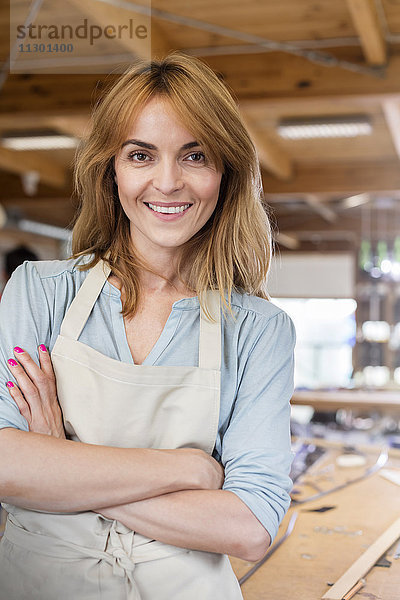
(138, 156)
(196, 157)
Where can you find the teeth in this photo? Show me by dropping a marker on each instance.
(168, 209)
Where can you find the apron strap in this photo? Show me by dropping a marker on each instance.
(82, 305)
(210, 333)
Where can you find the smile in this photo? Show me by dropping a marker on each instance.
(168, 209)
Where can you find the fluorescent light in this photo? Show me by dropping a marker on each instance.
(52, 231)
(324, 127)
(356, 200)
(37, 141)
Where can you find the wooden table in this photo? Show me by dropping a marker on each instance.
(323, 545)
(384, 401)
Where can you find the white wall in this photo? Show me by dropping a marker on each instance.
(312, 275)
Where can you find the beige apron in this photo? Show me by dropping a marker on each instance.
(84, 556)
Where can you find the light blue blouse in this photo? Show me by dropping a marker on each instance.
(253, 441)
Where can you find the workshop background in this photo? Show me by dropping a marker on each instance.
(318, 84)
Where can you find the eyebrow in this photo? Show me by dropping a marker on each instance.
(153, 147)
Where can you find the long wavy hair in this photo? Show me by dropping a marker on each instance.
(233, 249)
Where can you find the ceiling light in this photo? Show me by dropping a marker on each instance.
(324, 127)
(355, 200)
(37, 140)
(52, 231)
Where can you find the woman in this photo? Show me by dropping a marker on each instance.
(165, 349)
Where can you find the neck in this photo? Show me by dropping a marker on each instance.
(168, 281)
(163, 276)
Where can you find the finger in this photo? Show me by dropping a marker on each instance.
(32, 369)
(19, 400)
(24, 382)
(45, 362)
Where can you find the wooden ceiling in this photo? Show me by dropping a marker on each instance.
(292, 58)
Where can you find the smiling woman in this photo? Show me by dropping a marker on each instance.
(162, 413)
(194, 99)
(172, 182)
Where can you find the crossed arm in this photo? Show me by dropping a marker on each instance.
(174, 496)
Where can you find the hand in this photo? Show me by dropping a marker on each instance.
(216, 475)
(209, 473)
(36, 394)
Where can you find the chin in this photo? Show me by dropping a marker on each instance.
(171, 243)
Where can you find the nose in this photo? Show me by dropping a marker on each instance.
(168, 177)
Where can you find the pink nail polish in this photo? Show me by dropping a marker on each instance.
(18, 350)
(12, 362)
(43, 348)
(10, 384)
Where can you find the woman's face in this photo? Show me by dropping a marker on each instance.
(167, 187)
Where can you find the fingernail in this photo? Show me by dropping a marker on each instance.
(42, 347)
(12, 362)
(10, 384)
(18, 349)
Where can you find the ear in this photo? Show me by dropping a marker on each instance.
(116, 179)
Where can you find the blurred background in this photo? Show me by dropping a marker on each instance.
(318, 84)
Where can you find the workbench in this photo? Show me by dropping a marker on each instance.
(364, 400)
(323, 545)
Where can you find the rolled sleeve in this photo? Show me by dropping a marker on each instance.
(24, 321)
(256, 450)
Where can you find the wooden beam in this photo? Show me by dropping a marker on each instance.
(333, 235)
(288, 241)
(366, 22)
(58, 211)
(11, 189)
(75, 125)
(343, 178)
(344, 103)
(306, 227)
(324, 211)
(51, 94)
(256, 81)
(271, 156)
(279, 75)
(69, 121)
(105, 14)
(22, 162)
(391, 110)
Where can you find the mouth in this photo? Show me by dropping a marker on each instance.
(173, 208)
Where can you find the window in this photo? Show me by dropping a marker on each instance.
(326, 334)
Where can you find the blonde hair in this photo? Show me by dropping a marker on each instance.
(233, 249)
